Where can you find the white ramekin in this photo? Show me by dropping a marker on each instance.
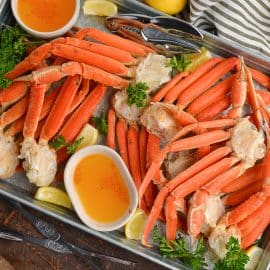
(46, 35)
(75, 199)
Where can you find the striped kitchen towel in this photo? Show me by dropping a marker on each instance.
(246, 22)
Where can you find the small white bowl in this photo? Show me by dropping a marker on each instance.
(75, 199)
(46, 35)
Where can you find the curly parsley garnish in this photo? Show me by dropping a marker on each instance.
(13, 46)
(60, 142)
(137, 94)
(101, 123)
(235, 258)
(178, 62)
(178, 249)
(72, 147)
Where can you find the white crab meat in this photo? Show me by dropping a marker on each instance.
(247, 142)
(214, 210)
(157, 120)
(178, 162)
(153, 71)
(220, 237)
(39, 162)
(131, 113)
(8, 156)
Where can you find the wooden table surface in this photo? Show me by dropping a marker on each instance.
(24, 256)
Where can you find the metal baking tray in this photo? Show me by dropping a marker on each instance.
(18, 188)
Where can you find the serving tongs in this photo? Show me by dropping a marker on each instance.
(54, 241)
(164, 34)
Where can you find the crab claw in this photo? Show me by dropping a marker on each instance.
(220, 237)
(39, 162)
(8, 156)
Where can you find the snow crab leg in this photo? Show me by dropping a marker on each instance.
(197, 167)
(132, 47)
(55, 73)
(237, 197)
(60, 108)
(220, 169)
(111, 128)
(134, 155)
(39, 159)
(251, 175)
(204, 82)
(175, 92)
(82, 115)
(248, 220)
(121, 136)
(13, 93)
(107, 58)
(212, 95)
(197, 141)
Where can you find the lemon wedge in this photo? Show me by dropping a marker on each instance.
(167, 6)
(99, 8)
(53, 195)
(197, 59)
(254, 253)
(134, 228)
(88, 136)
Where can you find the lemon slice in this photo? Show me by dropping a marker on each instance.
(197, 59)
(88, 136)
(99, 8)
(134, 228)
(254, 253)
(53, 195)
(167, 6)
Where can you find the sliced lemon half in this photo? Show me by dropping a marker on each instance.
(99, 8)
(88, 136)
(167, 6)
(53, 195)
(134, 228)
(197, 59)
(254, 253)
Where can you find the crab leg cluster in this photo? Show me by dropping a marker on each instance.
(224, 173)
(198, 145)
(35, 112)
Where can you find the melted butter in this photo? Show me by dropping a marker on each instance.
(45, 15)
(101, 188)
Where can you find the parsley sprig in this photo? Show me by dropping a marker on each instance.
(178, 62)
(13, 46)
(178, 249)
(235, 258)
(101, 123)
(60, 142)
(73, 146)
(137, 94)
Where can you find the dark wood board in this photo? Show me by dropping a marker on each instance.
(24, 256)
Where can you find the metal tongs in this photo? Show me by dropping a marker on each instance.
(54, 241)
(164, 34)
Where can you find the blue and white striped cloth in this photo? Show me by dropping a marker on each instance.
(246, 22)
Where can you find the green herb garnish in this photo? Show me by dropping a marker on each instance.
(60, 142)
(101, 123)
(178, 62)
(235, 258)
(137, 94)
(177, 249)
(13, 46)
(72, 147)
